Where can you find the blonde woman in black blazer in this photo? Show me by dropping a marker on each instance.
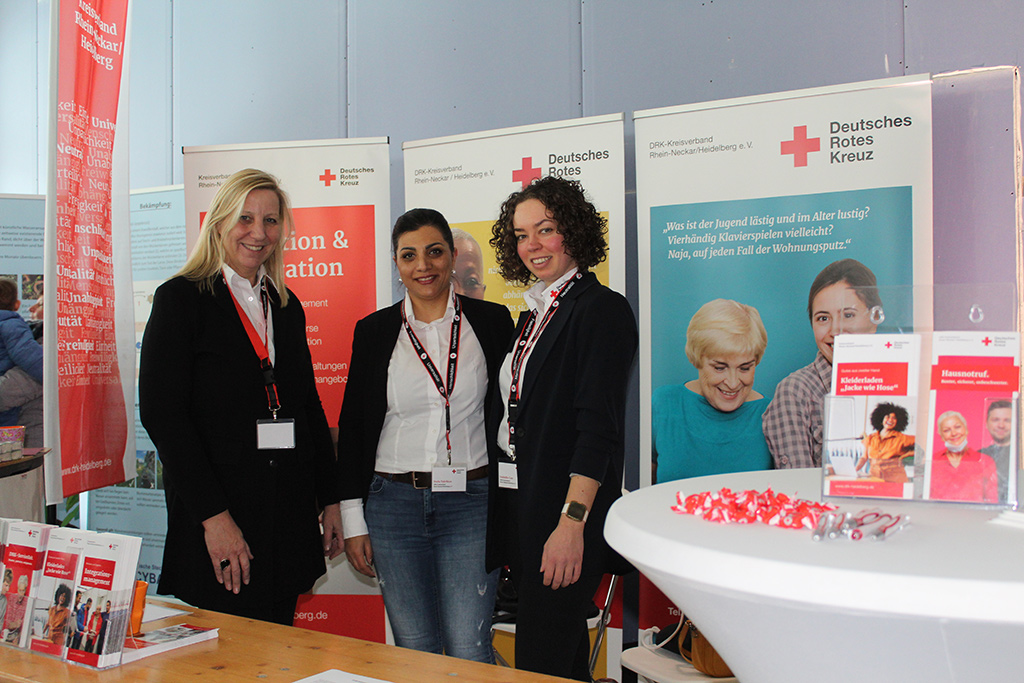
(424, 544)
(556, 426)
(242, 530)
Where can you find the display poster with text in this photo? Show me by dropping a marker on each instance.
(87, 301)
(21, 246)
(137, 507)
(21, 261)
(747, 201)
(337, 262)
(467, 177)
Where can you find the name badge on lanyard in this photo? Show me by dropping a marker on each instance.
(448, 478)
(445, 477)
(272, 434)
(508, 474)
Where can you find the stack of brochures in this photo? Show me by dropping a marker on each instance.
(66, 592)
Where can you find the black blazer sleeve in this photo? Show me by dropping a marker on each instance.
(365, 404)
(600, 392)
(166, 387)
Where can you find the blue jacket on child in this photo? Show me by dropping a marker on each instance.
(18, 347)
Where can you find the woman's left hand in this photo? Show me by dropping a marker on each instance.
(334, 541)
(563, 554)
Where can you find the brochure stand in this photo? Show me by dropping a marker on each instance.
(97, 645)
(918, 413)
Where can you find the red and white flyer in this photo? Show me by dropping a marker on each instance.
(109, 563)
(53, 607)
(23, 556)
(972, 418)
(871, 426)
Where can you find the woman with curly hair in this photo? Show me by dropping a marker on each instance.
(556, 430)
(888, 445)
(58, 615)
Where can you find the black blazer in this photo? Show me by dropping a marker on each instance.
(201, 391)
(366, 401)
(571, 420)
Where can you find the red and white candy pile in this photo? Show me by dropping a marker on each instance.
(747, 507)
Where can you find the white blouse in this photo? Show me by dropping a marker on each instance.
(413, 436)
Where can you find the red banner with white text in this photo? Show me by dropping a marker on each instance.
(93, 425)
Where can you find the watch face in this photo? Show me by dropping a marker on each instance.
(576, 511)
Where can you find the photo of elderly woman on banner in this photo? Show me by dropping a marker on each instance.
(808, 281)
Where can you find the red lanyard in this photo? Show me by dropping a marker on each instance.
(259, 346)
(453, 362)
(524, 343)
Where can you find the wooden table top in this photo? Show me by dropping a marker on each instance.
(250, 650)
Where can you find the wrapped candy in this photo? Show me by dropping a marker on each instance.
(748, 507)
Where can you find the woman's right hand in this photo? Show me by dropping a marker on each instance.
(224, 541)
(360, 554)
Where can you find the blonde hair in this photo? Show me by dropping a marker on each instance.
(725, 327)
(207, 258)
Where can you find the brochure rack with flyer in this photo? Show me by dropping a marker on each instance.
(948, 432)
(871, 416)
(972, 416)
(70, 591)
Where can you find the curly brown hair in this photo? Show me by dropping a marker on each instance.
(581, 226)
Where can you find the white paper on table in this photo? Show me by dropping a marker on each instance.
(154, 612)
(338, 676)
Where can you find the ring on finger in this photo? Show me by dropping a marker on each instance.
(224, 564)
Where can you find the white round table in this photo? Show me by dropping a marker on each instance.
(942, 600)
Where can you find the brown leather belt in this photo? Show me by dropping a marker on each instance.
(421, 480)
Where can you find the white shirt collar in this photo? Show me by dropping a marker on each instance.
(449, 311)
(540, 296)
(236, 280)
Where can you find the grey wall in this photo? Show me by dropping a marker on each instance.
(222, 71)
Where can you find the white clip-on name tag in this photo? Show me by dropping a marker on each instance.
(275, 434)
(508, 475)
(448, 478)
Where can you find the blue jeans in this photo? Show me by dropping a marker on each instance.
(428, 552)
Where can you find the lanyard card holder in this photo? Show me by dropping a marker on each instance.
(275, 434)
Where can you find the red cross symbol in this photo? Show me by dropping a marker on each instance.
(888, 345)
(328, 177)
(800, 145)
(986, 341)
(527, 174)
